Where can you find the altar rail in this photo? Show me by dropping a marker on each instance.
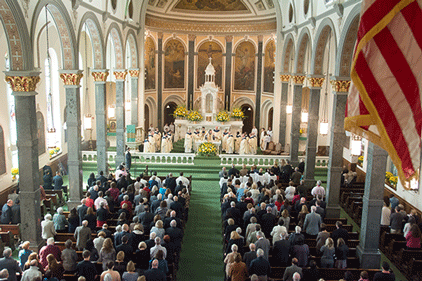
(144, 158)
(265, 160)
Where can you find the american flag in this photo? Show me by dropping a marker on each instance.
(384, 102)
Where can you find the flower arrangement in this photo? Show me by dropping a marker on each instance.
(54, 151)
(207, 149)
(393, 180)
(300, 131)
(15, 172)
(388, 175)
(194, 116)
(237, 113)
(180, 111)
(360, 160)
(223, 116)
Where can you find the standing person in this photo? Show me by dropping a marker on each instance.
(7, 262)
(328, 251)
(47, 227)
(128, 159)
(385, 274)
(82, 235)
(238, 270)
(188, 142)
(58, 181)
(24, 254)
(6, 212)
(86, 268)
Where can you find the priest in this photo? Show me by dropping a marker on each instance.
(188, 141)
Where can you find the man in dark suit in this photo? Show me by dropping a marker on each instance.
(319, 210)
(86, 268)
(176, 235)
(263, 243)
(102, 179)
(173, 216)
(119, 236)
(126, 248)
(177, 206)
(340, 232)
(281, 250)
(312, 222)
(58, 181)
(82, 211)
(171, 183)
(6, 212)
(286, 172)
(155, 274)
(233, 171)
(260, 266)
(248, 257)
(234, 213)
(151, 241)
(146, 217)
(268, 221)
(288, 273)
(10, 264)
(128, 159)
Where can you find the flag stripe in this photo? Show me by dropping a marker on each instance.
(384, 110)
(396, 100)
(401, 72)
(413, 16)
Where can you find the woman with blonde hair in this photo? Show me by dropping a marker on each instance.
(91, 218)
(342, 251)
(142, 257)
(302, 214)
(158, 229)
(107, 253)
(254, 193)
(24, 254)
(130, 274)
(328, 250)
(235, 239)
(120, 264)
(99, 241)
(33, 256)
(285, 216)
(54, 269)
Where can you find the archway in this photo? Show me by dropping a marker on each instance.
(168, 112)
(146, 120)
(270, 118)
(248, 121)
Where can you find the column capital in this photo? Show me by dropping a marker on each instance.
(341, 86)
(71, 77)
(100, 75)
(134, 72)
(229, 38)
(298, 79)
(285, 77)
(120, 74)
(191, 37)
(260, 38)
(160, 35)
(316, 81)
(22, 83)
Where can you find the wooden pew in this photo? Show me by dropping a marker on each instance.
(328, 273)
(13, 228)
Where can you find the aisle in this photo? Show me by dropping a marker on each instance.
(201, 257)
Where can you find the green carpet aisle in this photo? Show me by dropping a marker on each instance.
(201, 257)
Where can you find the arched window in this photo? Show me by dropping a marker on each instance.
(12, 121)
(2, 153)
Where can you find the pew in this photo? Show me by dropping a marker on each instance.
(13, 228)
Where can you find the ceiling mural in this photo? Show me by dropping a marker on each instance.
(212, 5)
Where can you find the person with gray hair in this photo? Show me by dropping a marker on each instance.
(263, 243)
(154, 273)
(296, 276)
(32, 272)
(82, 235)
(50, 248)
(248, 257)
(153, 251)
(260, 266)
(47, 227)
(294, 237)
(281, 250)
(229, 259)
(60, 221)
(4, 274)
(312, 222)
(11, 265)
(318, 190)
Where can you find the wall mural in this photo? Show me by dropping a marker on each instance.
(269, 67)
(2, 153)
(149, 64)
(210, 50)
(40, 133)
(214, 5)
(244, 75)
(174, 65)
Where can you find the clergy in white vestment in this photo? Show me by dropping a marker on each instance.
(253, 143)
(147, 146)
(217, 134)
(261, 138)
(237, 141)
(209, 136)
(254, 131)
(270, 133)
(196, 138)
(152, 143)
(164, 144)
(169, 142)
(267, 140)
(188, 142)
(224, 140)
(244, 145)
(166, 127)
(230, 144)
(203, 133)
(157, 137)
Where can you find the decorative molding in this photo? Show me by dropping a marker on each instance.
(191, 37)
(23, 83)
(71, 79)
(229, 38)
(120, 75)
(100, 76)
(134, 73)
(341, 86)
(298, 79)
(316, 82)
(285, 77)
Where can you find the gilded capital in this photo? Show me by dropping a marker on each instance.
(71, 78)
(120, 75)
(23, 83)
(298, 79)
(341, 85)
(191, 37)
(229, 38)
(134, 73)
(285, 77)
(316, 81)
(100, 76)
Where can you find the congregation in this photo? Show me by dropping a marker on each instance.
(124, 229)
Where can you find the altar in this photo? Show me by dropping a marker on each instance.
(209, 110)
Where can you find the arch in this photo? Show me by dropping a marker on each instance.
(174, 64)
(243, 41)
(242, 100)
(287, 51)
(97, 39)
(2, 152)
(302, 48)
(269, 66)
(116, 36)
(165, 42)
(206, 49)
(150, 63)
(244, 66)
(67, 35)
(176, 99)
(20, 48)
(322, 35)
(347, 43)
(150, 101)
(131, 40)
(265, 110)
(206, 40)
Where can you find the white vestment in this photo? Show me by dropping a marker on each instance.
(188, 143)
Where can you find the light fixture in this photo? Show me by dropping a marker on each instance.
(289, 109)
(168, 106)
(111, 111)
(249, 108)
(414, 184)
(323, 126)
(356, 145)
(88, 122)
(304, 117)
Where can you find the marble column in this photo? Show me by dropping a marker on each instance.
(228, 72)
(367, 250)
(283, 104)
(313, 118)
(258, 85)
(335, 163)
(71, 80)
(23, 84)
(296, 118)
(191, 70)
(100, 78)
(120, 116)
(134, 76)
(159, 81)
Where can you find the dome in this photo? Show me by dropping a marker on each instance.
(210, 69)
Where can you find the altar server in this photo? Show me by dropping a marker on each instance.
(230, 144)
(224, 140)
(147, 146)
(244, 145)
(237, 141)
(188, 142)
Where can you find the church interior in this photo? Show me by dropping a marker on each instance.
(85, 79)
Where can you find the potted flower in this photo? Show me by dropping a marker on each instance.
(194, 116)
(15, 172)
(237, 113)
(180, 112)
(223, 116)
(393, 180)
(360, 160)
(207, 149)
